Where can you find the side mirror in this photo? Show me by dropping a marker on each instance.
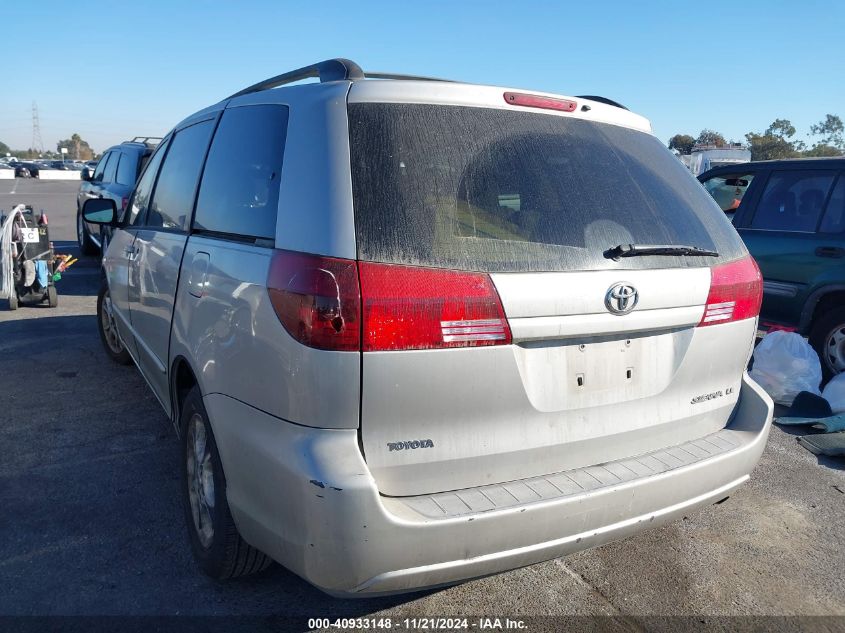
(99, 211)
(86, 174)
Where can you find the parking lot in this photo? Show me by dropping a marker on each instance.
(92, 521)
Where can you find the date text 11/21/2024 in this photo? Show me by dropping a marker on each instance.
(419, 624)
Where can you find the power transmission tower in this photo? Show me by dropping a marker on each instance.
(37, 143)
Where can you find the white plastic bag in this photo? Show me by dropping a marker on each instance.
(834, 393)
(785, 365)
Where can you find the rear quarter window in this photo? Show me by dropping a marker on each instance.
(497, 190)
(834, 216)
(127, 169)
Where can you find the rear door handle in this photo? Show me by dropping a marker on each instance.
(830, 251)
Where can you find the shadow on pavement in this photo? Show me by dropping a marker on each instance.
(93, 522)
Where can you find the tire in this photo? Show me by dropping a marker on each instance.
(52, 296)
(107, 328)
(217, 546)
(827, 336)
(86, 246)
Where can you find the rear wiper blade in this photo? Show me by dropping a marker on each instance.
(638, 250)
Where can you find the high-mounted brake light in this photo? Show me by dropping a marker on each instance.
(316, 299)
(406, 308)
(536, 101)
(736, 292)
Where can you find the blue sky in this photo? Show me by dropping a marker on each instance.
(138, 68)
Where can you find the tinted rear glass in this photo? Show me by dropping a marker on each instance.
(497, 190)
(127, 168)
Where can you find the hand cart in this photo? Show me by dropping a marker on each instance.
(32, 261)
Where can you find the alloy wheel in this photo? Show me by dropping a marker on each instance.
(109, 327)
(80, 229)
(200, 480)
(834, 349)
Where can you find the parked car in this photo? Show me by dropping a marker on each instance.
(791, 216)
(26, 169)
(414, 332)
(113, 177)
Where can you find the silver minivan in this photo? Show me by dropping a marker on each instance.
(412, 332)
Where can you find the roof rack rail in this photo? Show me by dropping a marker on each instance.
(609, 102)
(146, 139)
(378, 75)
(330, 70)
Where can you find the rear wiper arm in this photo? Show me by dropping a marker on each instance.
(638, 250)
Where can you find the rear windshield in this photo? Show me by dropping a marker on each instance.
(496, 190)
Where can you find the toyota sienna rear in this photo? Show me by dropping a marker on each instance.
(481, 328)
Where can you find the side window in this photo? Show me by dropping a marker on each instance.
(173, 198)
(792, 201)
(111, 167)
(141, 196)
(101, 167)
(142, 162)
(834, 216)
(240, 186)
(127, 169)
(728, 190)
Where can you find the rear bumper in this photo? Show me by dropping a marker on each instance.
(305, 497)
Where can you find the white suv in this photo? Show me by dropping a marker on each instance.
(413, 332)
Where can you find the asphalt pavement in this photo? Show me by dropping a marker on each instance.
(91, 521)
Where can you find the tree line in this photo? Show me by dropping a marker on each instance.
(777, 141)
(77, 149)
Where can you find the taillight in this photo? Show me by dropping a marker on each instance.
(405, 308)
(736, 292)
(316, 299)
(537, 101)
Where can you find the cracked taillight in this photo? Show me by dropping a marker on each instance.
(317, 299)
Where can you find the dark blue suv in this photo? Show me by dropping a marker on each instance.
(113, 178)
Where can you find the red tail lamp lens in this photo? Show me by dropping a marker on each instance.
(316, 299)
(736, 292)
(407, 308)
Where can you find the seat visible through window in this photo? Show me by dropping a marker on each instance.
(793, 201)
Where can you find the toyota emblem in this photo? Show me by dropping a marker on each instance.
(621, 298)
